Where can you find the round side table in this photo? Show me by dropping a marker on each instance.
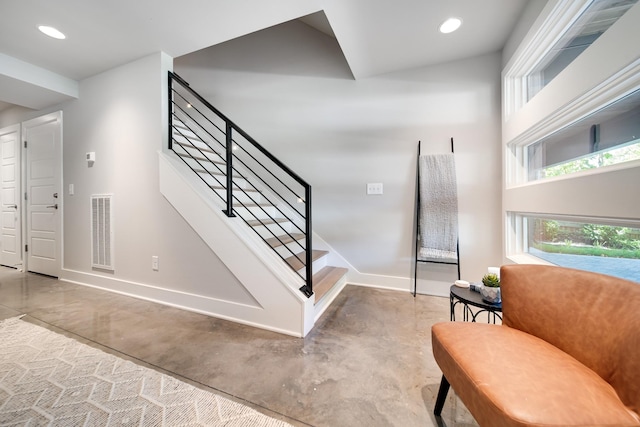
(468, 299)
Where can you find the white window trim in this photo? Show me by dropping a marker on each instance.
(558, 16)
(617, 86)
(595, 171)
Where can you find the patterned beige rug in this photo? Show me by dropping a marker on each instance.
(47, 379)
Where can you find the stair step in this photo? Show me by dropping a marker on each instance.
(252, 210)
(215, 172)
(186, 145)
(324, 280)
(181, 131)
(296, 264)
(209, 172)
(235, 188)
(244, 195)
(256, 223)
(202, 158)
(252, 205)
(284, 239)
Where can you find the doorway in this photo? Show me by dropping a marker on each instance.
(31, 201)
(10, 190)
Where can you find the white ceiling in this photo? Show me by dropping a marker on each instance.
(376, 36)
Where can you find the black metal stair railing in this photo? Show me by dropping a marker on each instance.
(253, 184)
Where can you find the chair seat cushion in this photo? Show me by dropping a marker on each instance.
(507, 377)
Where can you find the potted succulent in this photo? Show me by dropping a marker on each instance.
(491, 290)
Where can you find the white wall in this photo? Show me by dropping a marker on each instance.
(15, 114)
(119, 115)
(290, 88)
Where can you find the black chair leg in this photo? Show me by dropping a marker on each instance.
(442, 396)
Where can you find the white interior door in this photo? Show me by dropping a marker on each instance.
(10, 223)
(43, 155)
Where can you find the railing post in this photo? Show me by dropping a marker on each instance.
(307, 289)
(229, 159)
(170, 99)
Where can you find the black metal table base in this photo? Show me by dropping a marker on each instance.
(468, 299)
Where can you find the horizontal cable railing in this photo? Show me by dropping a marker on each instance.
(252, 183)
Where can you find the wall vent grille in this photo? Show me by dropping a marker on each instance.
(102, 231)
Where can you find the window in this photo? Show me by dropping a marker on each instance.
(598, 16)
(572, 154)
(607, 137)
(570, 27)
(602, 247)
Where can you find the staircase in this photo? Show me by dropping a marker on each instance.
(252, 186)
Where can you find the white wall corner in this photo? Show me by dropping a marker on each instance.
(166, 65)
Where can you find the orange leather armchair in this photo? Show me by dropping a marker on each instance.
(567, 353)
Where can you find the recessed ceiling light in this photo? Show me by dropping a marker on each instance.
(52, 32)
(450, 25)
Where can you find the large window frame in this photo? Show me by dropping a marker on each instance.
(564, 101)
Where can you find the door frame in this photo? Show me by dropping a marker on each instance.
(23, 164)
(17, 129)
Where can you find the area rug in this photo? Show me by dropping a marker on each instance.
(47, 379)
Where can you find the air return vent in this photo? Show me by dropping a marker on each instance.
(102, 231)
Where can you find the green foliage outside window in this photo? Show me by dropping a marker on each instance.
(586, 239)
(610, 237)
(595, 160)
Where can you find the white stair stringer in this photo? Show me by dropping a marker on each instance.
(283, 307)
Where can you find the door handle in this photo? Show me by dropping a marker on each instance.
(53, 206)
(13, 206)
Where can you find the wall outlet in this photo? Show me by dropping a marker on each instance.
(154, 263)
(374, 188)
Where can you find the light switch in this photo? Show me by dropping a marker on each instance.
(374, 188)
(71, 190)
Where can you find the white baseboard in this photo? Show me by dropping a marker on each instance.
(185, 301)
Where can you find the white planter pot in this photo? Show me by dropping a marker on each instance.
(491, 295)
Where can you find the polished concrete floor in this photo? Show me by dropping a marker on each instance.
(368, 361)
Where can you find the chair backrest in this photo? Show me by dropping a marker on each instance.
(593, 317)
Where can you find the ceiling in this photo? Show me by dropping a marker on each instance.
(376, 36)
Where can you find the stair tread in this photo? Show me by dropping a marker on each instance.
(208, 172)
(203, 158)
(214, 172)
(235, 188)
(296, 264)
(252, 205)
(192, 146)
(325, 279)
(283, 240)
(258, 223)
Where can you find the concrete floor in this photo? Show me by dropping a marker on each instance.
(368, 361)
